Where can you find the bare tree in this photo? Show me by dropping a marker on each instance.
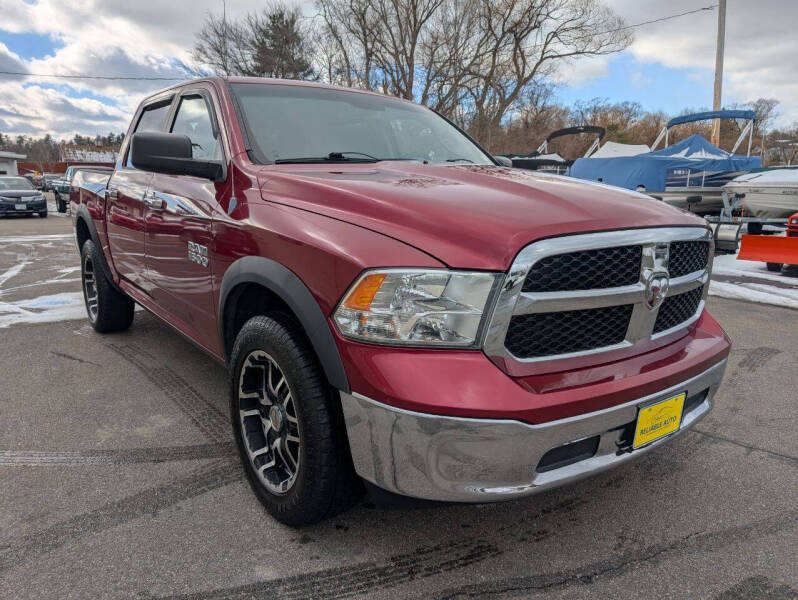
(472, 60)
(346, 43)
(529, 39)
(271, 43)
(224, 47)
(784, 145)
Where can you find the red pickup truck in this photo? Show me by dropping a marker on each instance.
(395, 305)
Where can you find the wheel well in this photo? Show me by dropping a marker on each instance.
(245, 301)
(82, 232)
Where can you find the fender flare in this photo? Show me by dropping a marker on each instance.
(83, 214)
(291, 290)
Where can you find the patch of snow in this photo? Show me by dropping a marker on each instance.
(730, 266)
(43, 309)
(11, 272)
(755, 292)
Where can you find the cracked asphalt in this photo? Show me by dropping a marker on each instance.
(118, 479)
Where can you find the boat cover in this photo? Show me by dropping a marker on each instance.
(614, 149)
(693, 154)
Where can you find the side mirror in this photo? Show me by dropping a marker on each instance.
(170, 153)
(503, 161)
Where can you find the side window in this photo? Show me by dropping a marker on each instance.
(152, 119)
(194, 121)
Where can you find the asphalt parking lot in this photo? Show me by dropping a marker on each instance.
(119, 479)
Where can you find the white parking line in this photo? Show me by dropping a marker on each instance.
(32, 239)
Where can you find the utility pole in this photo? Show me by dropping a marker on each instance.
(224, 38)
(716, 102)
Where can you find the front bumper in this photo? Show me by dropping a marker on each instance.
(31, 207)
(482, 460)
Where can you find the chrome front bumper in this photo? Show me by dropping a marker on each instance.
(483, 460)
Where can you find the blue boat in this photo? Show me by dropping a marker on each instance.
(689, 174)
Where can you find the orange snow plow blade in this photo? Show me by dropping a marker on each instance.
(769, 248)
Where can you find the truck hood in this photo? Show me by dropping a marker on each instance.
(466, 216)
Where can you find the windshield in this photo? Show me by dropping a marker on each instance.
(291, 123)
(15, 183)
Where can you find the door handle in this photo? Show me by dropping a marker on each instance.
(152, 200)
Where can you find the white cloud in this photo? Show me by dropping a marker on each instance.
(584, 71)
(126, 38)
(148, 38)
(759, 51)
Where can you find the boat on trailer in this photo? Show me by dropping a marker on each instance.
(689, 174)
(553, 162)
(767, 193)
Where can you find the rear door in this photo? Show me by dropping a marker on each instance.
(125, 202)
(179, 220)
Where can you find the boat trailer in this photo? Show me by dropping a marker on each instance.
(727, 230)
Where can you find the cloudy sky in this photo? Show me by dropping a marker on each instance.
(669, 66)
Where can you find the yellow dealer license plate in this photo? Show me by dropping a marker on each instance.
(658, 420)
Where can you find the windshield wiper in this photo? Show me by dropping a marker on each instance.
(334, 157)
(459, 160)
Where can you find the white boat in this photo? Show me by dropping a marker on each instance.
(767, 194)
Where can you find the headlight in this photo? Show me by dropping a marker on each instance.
(416, 307)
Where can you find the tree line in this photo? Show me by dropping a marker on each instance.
(488, 65)
(48, 149)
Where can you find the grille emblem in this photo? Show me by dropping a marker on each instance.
(656, 288)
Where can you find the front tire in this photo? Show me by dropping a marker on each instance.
(60, 204)
(287, 423)
(43, 214)
(107, 308)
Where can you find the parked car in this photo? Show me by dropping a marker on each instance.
(19, 197)
(48, 179)
(61, 187)
(391, 302)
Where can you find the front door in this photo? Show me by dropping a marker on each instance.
(179, 220)
(125, 206)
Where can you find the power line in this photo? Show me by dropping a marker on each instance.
(122, 78)
(659, 20)
(106, 77)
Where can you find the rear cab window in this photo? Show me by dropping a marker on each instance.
(152, 118)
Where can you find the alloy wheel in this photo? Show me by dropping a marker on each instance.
(90, 288)
(269, 424)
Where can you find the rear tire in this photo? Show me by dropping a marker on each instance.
(288, 424)
(107, 308)
(774, 267)
(43, 214)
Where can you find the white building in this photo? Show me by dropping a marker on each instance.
(8, 162)
(87, 154)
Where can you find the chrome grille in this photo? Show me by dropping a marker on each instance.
(544, 334)
(546, 311)
(687, 257)
(675, 310)
(585, 270)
